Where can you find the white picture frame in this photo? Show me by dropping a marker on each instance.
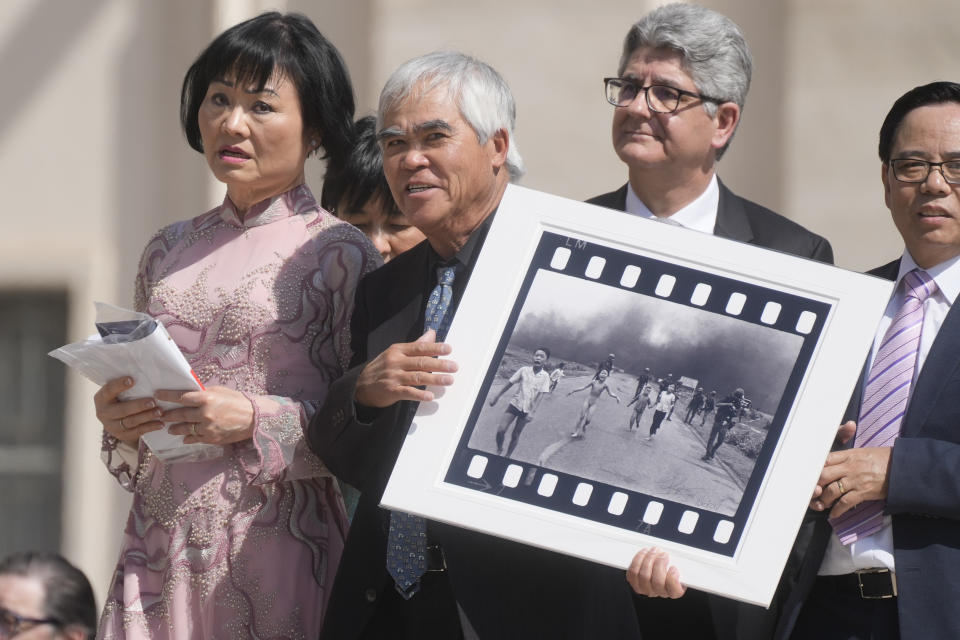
(581, 276)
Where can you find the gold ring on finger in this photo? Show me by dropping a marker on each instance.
(193, 429)
(840, 485)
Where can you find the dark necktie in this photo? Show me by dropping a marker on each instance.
(885, 396)
(407, 539)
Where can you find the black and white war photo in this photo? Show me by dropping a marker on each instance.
(654, 396)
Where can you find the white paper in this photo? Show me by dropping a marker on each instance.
(154, 362)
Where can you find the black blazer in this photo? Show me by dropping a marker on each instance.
(745, 221)
(507, 590)
(923, 498)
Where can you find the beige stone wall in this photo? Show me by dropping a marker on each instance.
(846, 64)
(93, 160)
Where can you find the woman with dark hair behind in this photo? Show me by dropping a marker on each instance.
(258, 294)
(358, 193)
(44, 596)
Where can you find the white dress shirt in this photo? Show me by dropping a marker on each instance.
(877, 550)
(699, 215)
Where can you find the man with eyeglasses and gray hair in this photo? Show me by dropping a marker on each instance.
(678, 96)
(445, 126)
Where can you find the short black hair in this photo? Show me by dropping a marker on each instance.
(360, 179)
(289, 43)
(68, 596)
(922, 96)
(545, 350)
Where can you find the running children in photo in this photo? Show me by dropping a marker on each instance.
(532, 381)
(664, 405)
(605, 365)
(555, 376)
(642, 400)
(597, 387)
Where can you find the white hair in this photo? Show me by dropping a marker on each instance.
(481, 94)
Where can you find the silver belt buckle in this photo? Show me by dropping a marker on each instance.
(893, 583)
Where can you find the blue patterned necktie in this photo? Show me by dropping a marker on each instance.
(407, 539)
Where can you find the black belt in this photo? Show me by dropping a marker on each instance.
(869, 584)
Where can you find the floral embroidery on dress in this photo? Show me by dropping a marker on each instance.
(245, 545)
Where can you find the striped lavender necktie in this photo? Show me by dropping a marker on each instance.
(885, 396)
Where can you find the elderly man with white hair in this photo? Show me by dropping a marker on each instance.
(446, 129)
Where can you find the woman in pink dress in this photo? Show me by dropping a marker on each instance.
(257, 293)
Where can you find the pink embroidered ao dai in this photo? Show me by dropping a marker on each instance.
(245, 545)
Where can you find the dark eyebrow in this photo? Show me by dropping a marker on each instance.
(233, 85)
(920, 154)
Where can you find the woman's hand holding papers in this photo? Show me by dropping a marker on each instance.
(126, 420)
(216, 415)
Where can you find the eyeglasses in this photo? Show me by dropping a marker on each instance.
(12, 624)
(914, 170)
(660, 98)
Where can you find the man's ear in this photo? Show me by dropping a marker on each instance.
(727, 119)
(885, 177)
(500, 144)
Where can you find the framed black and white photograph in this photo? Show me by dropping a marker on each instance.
(624, 384)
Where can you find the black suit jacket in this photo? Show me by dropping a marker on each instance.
(923, 498)
(745, 221)
(507, 590)
(697, 614)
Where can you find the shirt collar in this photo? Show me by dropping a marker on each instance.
(700, 214)
(946, 275)
(469, 251)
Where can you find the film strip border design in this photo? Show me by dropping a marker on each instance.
(617, 506)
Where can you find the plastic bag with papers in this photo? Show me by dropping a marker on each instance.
(133, 344)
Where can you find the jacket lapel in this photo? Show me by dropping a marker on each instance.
(938, 368)
(732, 221)
(614, 200)
(403, 296)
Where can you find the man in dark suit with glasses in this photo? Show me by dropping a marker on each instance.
(681, 84)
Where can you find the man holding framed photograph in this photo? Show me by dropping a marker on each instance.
(882, 564)
(446, 129)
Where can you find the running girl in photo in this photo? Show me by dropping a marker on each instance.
(597, 387)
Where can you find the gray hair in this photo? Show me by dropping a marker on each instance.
(482, 95)
(712, 47)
